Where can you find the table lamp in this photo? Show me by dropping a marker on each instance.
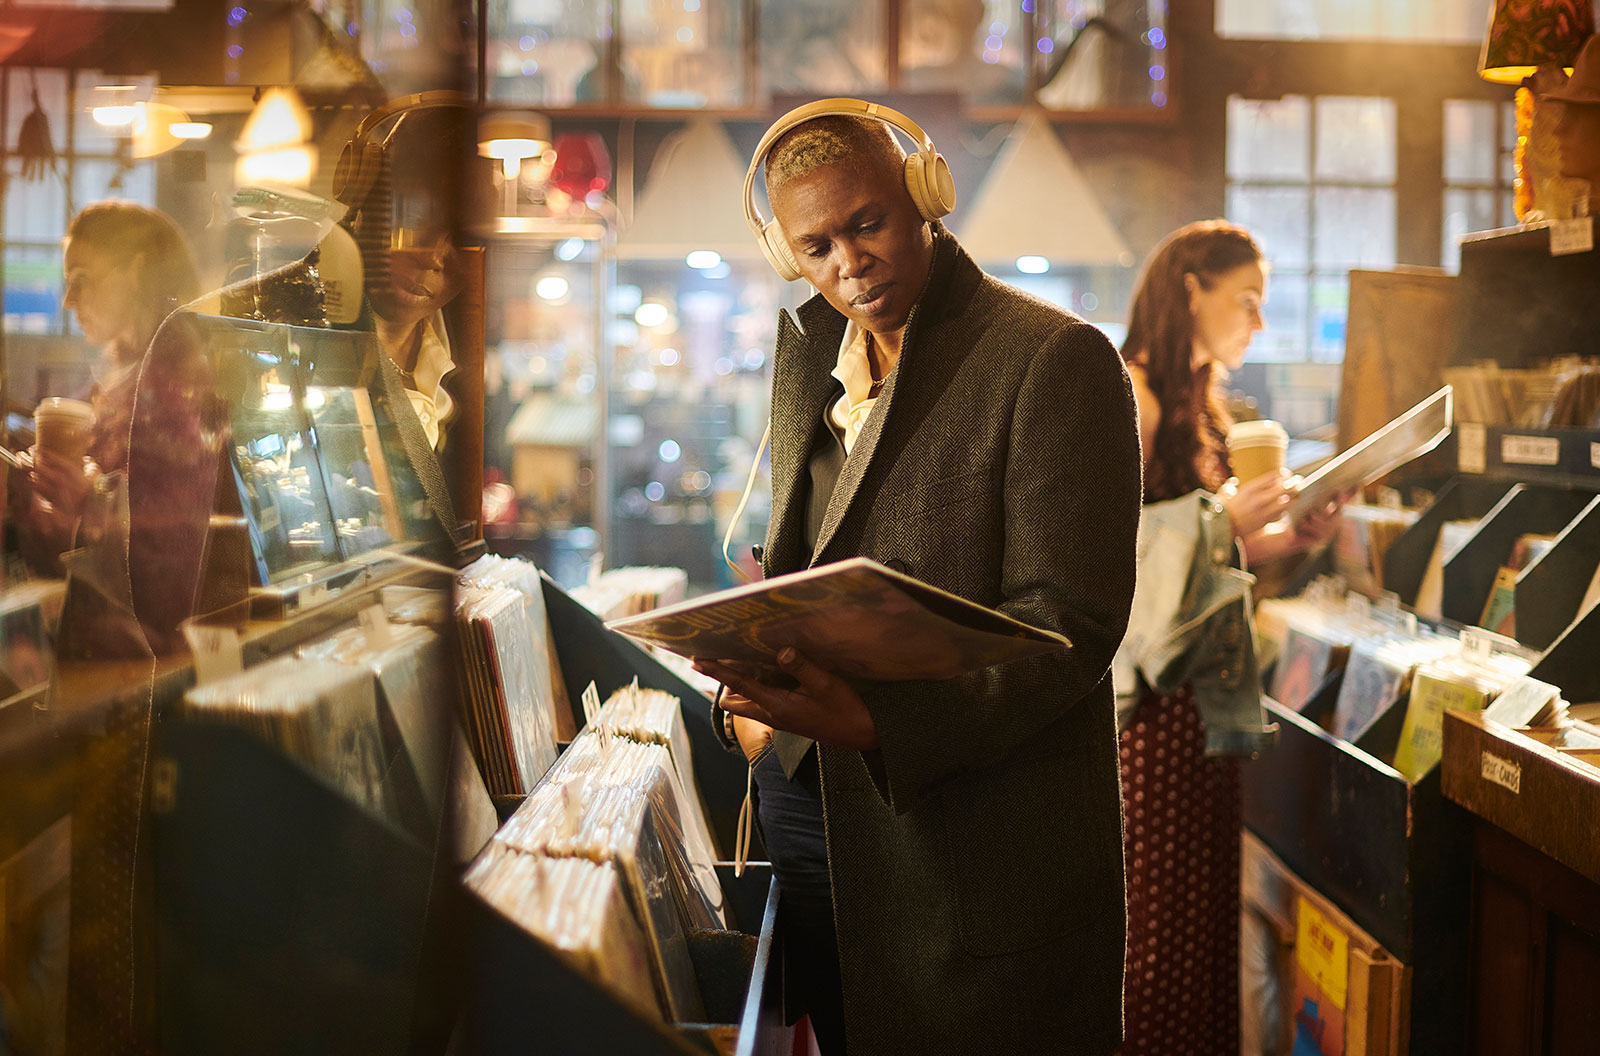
(1526, 43)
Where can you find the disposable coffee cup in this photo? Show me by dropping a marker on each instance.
(1255, 448)
(63, 426)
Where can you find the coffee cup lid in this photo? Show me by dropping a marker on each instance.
(1265, 431)
(62, 406)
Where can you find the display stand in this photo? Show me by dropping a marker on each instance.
(1551, 589)
(291, 920)
(1387, 852)
(1525, 509)
(526, 997)
(590, 652)
(1406, 560)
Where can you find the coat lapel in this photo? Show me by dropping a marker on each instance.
(801, 390)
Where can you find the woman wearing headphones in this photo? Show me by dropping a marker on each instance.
(965, 893)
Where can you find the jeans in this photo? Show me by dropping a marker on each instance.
(791, 825)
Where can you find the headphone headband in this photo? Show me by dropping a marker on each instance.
(837, 107)
(416, 100)
(359, 162)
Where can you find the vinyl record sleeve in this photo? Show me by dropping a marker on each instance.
(856, 618)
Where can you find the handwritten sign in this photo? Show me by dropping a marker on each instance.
(1502, 772)
(1571, 236)
(1530, 450)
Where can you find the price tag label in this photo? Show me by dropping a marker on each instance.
(1571, 236)
(218, 653)
(1594, 455)
(1472, 446)
(1530, 450)
(375, 624)
(591, 704)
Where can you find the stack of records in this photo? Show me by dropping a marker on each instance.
(1466, 680)
(323, 714)
(650, 716)
(429, 770)
(1378, 675)
(614, 803)
(508, 716)
(578, 907)
(524, 578)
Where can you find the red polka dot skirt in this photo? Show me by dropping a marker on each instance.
(1181, 839)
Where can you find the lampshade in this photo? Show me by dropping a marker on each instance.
(1525, 34)
(692, 200)
(513, 135)
(1036, 204)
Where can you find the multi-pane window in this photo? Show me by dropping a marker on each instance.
(1313, 179)
(92, 161)
(1433, 21)
(1069, 54)
(1480, 140)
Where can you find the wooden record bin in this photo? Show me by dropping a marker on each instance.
(293, 920)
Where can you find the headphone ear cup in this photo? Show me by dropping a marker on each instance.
(776, 249)
(356, 171)
(930, 184)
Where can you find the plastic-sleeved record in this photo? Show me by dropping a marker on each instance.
(323, 714)
(578, 907)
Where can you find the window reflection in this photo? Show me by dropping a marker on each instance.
(975, 47)
(1094, 54)
(825, 47)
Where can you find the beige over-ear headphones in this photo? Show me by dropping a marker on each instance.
(361, 162)
(927, 176)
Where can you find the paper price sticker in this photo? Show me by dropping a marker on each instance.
(1323, 952)
(1594, 455)
(591, 704)
(218, 653)
(375, 624)
(1502, 772)
(1530, 450)
(1571, 236)
(1472, 446)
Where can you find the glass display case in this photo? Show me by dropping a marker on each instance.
(545, 391)
(688, 406)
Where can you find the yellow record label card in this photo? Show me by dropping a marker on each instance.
(1323, 952)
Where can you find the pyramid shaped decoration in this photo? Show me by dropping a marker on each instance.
(1036, 202)
(691, 200)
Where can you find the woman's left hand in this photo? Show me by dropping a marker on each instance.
(822, 707)
(66, 484)
(1319, 525)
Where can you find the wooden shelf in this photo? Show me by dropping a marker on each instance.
(1544, 795)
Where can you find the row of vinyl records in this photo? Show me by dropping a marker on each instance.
(608, 859)
(1386, 659)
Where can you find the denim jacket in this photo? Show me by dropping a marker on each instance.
(1191, 625)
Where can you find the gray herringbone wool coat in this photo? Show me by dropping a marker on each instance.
(978, 883)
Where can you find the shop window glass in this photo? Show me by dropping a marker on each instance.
(1352, 227)
(36, 211)
(823, 47)
(97, 89)
(683, 53)
(1279, 219)
(1480, 140)
(1269, 139)
(1284, 315)
(1101, 54)
(975, 47)
(1313, 179)
(33, 289)
(1355, 139)
(548, 52)
(1432, 21)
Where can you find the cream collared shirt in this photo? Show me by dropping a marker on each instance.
(432, 404)
(850, 412)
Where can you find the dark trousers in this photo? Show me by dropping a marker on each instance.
(791, 825)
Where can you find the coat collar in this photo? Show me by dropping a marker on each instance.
(803, 387)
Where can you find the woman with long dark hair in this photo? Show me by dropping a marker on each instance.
(1196, 309)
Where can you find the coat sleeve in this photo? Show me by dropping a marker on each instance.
(1070, 534)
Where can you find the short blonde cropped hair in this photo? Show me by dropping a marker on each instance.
(862, 144)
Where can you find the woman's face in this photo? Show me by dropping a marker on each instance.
(1226, 316)
(420, 280)
(103, 292)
